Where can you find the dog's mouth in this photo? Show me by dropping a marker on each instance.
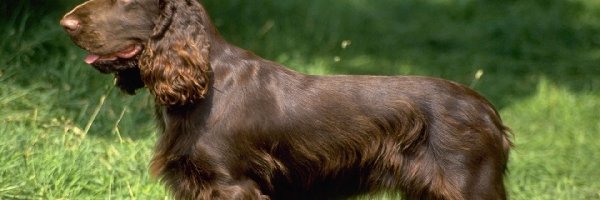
(122, 64)
(115, 62)
(127, 53)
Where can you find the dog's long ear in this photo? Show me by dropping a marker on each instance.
(175, 64)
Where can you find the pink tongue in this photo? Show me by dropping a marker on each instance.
(127, 53)
(91, 58)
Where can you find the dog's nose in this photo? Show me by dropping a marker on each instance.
(70, 25)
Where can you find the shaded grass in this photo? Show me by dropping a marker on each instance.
(539, 61)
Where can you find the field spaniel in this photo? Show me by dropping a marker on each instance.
(236, 126)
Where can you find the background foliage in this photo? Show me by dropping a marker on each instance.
(65, 134)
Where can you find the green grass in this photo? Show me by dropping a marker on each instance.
(66, 134)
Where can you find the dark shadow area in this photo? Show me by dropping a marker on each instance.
(34, 9)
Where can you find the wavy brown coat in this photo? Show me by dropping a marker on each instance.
(236, 126)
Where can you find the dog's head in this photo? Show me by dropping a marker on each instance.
(114, 33)
(160, 44)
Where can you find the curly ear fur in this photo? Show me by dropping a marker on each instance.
(175, 64)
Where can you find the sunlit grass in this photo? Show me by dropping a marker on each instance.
(556, 154)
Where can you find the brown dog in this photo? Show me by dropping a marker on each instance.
(236, 126)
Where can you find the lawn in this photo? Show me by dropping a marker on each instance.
(66, 133)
